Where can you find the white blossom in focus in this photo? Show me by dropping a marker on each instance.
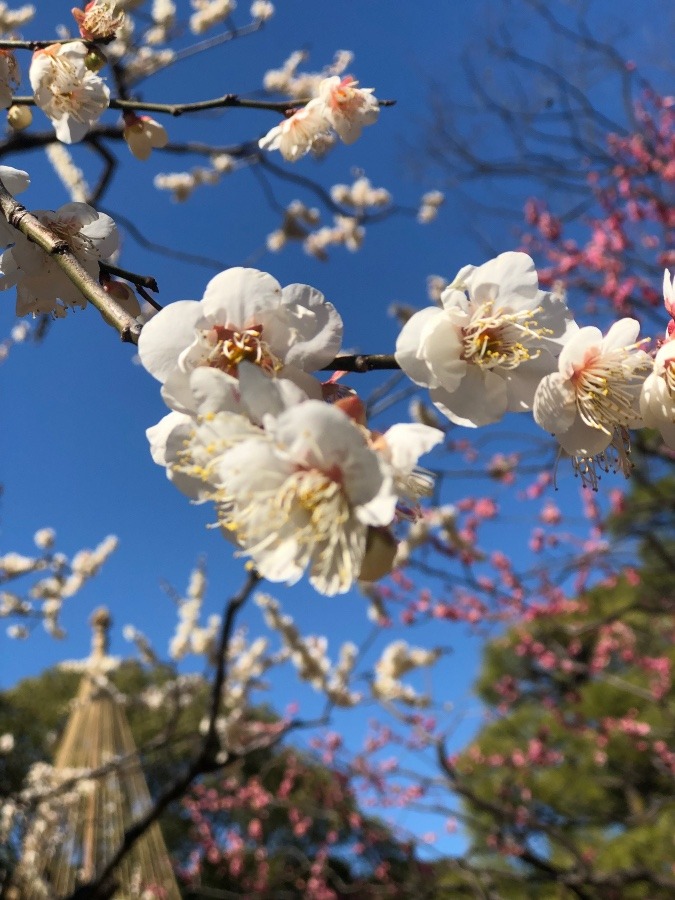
(224, 411)
(244, 316)
(143, 134)
(66, 91)
(657, 398)
(486, 350)
(347, 107)
(596, 389)
(302, 496)
(43, 287)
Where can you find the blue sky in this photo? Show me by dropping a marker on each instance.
(73, 453)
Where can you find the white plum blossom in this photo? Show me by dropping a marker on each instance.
(262, 10)
(44, 538)
(340, 106)
(401, 446)
(143, 135)
(595, 393)
(657, 398)
(485, 351)
(244, 316)
(347, 107)
(224, 411)
(210, 13)
(99, 20)
(398, 659)
(302, 496)
(295, 136)
(69, 93)
(40, 283)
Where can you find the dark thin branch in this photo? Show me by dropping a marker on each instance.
(362, 362)
(227, 101)
(144, 281)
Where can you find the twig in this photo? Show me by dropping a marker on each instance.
(39, 45)
(144, 281)
(362, 362)
(227, 101)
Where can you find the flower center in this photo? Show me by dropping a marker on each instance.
(503, 339)
(228, 348)
(320, 495)
(607, 386)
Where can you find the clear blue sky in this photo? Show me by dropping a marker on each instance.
(73, 452)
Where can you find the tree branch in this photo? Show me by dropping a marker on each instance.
(60, 251)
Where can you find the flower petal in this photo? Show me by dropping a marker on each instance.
(480, 399)
(166, 335)
(315, 326)
(408, 354)
(554, 407)
(238, 297)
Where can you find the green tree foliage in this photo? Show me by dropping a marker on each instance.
(308, 808)
(35, 711)
(568, 790)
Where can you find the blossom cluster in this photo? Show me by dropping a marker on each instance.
(340, 108)
(308, 654)
(41, 285)
(58, 579)
(299, 484)
(499, 344)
